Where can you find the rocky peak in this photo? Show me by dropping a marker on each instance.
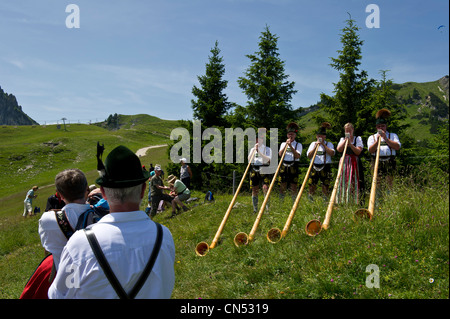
(11, 112)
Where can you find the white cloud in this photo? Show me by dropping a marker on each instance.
(16, 63)
(131, 79)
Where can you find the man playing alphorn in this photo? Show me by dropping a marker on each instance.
(262, 158)
(322, 162)
(290, 169)
(390, 144)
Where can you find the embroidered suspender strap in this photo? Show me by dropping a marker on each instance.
(295, 148)
(110, 274)
(385, 157)
(64, 224)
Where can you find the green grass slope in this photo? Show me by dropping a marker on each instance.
(33, 155)
(407, 240)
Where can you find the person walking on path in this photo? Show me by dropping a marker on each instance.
(28, 202)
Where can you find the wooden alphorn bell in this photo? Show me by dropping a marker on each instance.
(274, 235)
(314, 226)
(242, 238)
(203, 248)
(368, 213)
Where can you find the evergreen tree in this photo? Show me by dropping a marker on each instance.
(211, 103)
(266, 87)
(210, 107)
(440, 151)
(384, 96)
(352, 92)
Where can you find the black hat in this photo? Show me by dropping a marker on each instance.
(323, 128)
(122, 169)
(382, 116)
(292, 127)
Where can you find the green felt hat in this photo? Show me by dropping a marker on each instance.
(122, 169)
(381, 121)
(382, 116)
(292, 127)
(323, 128)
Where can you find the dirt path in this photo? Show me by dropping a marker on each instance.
(143, 151)
(139, 153)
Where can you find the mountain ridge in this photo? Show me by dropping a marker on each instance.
(11, 112)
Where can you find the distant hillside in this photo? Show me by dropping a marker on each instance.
(143, 122)
(419, 93)
(11, 112)
(427, 105)
(34, 154)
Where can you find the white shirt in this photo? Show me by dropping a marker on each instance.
(322, 156)
(298, 148)
(127, 240)
(262, 149)
(359, 142)
(52, 238)
(385, 150)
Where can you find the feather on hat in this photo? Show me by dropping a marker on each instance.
(100, 166)
(122, 169)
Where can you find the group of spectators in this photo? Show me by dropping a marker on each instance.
(178, 188)
(91, 253)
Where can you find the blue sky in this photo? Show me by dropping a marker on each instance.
(136, 56)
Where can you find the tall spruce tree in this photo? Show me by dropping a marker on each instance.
(211, 104)
(268, 92)
(384, 96)
(352, 91)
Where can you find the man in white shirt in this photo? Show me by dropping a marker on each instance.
(72, 186)
(262, 157)
(126, 239)
(289, 170)
(390, 144)
(322, 162)
(55, 228)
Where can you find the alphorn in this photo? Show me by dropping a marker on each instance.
(368, 213)
(203, 248)
(274, 235)
(242, 238)
(314, 226)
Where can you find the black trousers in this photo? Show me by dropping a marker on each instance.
(155, 202)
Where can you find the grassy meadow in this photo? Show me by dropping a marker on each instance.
(33, 155)
(408, 238)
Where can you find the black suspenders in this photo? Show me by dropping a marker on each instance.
(110, 274)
